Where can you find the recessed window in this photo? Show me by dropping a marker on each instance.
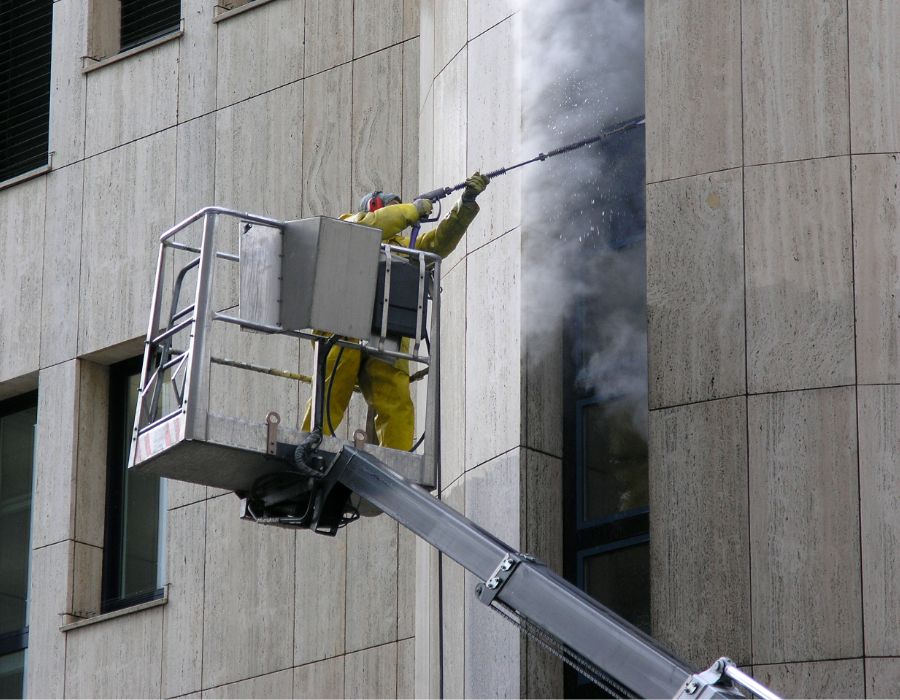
(25, 32)
(120, 25)
(135, 504)
(17, 426)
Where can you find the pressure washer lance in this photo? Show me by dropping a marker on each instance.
(438, 194)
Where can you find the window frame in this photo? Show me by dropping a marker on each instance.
(114, 526)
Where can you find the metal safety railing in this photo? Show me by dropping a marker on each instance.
(174, 391)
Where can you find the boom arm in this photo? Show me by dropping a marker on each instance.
(620, 657)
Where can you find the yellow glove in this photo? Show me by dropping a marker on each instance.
(475, 186)
(424, 207)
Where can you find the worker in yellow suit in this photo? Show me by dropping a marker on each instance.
(385, 384)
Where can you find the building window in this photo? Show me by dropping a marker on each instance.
(135, 506)
(17, 426)
(120, 25)
(607, 523)
(25, 33)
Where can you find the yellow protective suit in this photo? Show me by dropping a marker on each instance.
(385, 385)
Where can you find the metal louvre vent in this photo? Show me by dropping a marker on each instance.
(25, 33)
(144, 20)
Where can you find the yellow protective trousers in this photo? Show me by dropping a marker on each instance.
(384, 387)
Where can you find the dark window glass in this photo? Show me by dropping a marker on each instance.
(17, 421)
(25, 33)
(131, 552)
(145, 20)
(618, 577)
(613, 447)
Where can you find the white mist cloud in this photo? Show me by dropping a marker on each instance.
(583, 70)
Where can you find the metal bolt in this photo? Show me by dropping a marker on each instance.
(506, 564)
(691, 688)
(493, 583)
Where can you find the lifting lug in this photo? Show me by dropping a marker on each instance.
(272, 421)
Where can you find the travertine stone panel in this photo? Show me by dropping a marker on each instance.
(196, 60)
(426, 55)
(426, 148)
(493, 377)
(182, 493)
(695, 289)
(371, 583)
(92, 416)
(882, 678)
(542, 404)
(21, 252)
(406, 666)
(450, 31)
(495, 111)
(698, 465)
(795, 80)
(694, 43)
(485, 14)
(874, 82)
(320, 603)
(410, 164)
(183, 629)
(329, 34)
(53, 514)
(453, 581)
(453, 375)
(492, 645)
(804, 526)
(542, 507)
(428, 663)
(542, 515)
(876, 213)
(118, 109)
(799, 275)
(128, 202)
(87, 581)
(326, 143)
(377, 24)
(406, 584)
(100, 659)
(371, 673)
(822, 679)
(271, 685)
(258, 152)
(323, 679)
(879, 483)
(254, 637)
(260, 50)
(195, 173)
(450, 129)
(62, 247)
(49, 595)
(377, 135)
(67, 83)
(411, 18)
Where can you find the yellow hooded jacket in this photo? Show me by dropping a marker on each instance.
(385, 385)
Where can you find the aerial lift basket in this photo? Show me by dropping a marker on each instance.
(300, 279)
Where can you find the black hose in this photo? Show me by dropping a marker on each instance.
(334, 370)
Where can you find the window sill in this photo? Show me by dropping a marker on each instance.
(13, 181)
(102, 617)
(222, 13)
(89, 65)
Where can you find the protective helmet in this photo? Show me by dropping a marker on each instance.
(373, 201)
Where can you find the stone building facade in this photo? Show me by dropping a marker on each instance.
(773, 335)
